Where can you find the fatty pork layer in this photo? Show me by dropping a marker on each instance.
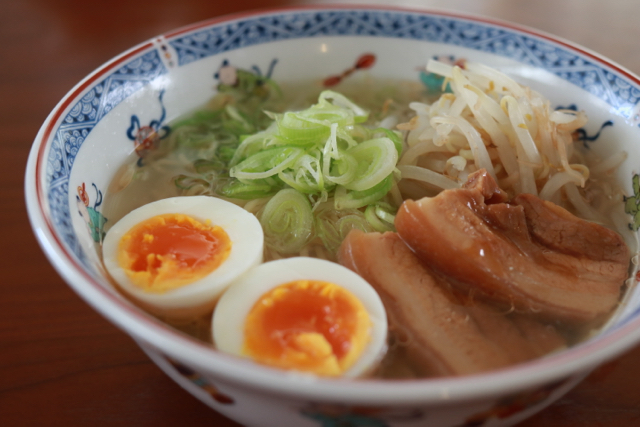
(525, 253)
(442, 332)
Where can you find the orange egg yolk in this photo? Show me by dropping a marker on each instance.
(307, 325)
(171, 250)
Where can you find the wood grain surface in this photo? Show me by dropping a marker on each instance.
(63, 364)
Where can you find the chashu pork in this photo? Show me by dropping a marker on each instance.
(526, 253)
(441, 331)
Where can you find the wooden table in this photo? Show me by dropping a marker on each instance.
(63, 364)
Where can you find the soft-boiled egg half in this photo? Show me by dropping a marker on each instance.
(303, 314)
(176, 256)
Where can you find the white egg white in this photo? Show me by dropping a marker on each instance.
(199, 297)
(236, 303)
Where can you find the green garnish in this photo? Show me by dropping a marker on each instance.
(325, 171)
(287, 221)
(322, 149)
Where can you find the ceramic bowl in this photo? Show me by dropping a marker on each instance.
(94, 128)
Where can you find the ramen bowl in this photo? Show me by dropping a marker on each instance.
(97, 126)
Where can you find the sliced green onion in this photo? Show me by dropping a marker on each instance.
(240, 190)
(305, 175)
(337, 166)
(341, 171)
(300, 130)
(287, 221)
(345, 199)
(347, 135)
(251, 145)
(393, 136)
(235, 114)
(376, 159)
(225, 153)
(185, 182)
(326, 113)
(320, 166)
(266, 163)
(204, 166)
(380, 217)
(204, 117)
(317, 199)
(194, 137)
(360, 114)
(383, 211)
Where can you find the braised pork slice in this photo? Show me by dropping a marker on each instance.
(526, 253)
(441, 331)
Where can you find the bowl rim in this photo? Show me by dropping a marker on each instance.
(148, 331)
